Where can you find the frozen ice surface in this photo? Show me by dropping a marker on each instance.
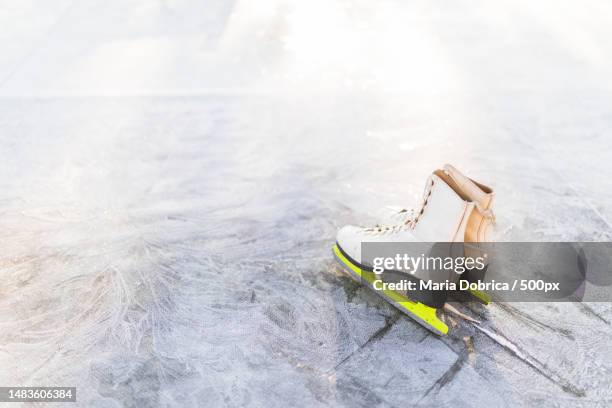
(172, 175)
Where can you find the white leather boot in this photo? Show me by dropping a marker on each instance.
(442, 217)
(479, 225)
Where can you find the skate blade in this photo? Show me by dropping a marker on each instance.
(424, 315)
(466, 296)
(482, 297)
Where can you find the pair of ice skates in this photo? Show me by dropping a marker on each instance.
(455, 209)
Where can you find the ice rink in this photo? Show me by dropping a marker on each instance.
(173, 173)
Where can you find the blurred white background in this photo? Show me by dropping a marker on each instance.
(95, 47)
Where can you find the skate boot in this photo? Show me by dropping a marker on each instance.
(478, 229)
(442, 217)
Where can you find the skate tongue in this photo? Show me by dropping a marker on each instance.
(462, 181)
(476, 192)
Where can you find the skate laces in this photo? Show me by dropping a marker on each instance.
(384, 229)
(399, 216)
(411, 219)
(416, 215)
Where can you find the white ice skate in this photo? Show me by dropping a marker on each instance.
(442, 217)
(479, 226)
